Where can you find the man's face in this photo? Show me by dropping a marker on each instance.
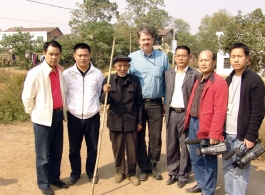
(182, 58)
(205, 62)
(52, 56)
(238, 59)
(82, 58)
(146, 42)
(122, 68)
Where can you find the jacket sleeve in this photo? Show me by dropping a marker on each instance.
(219, 110)
(30, 91)
(257, 110)
(139, 102)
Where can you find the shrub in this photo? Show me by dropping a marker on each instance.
(11, 107)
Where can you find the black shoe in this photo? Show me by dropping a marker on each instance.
(156, 174)
(194, 189)
(143, 175)
(47, 191)
(181, 184)
(60, 184)
(90, 179)
(172, 179)
(72, 180)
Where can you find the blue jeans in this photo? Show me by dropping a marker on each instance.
(77, 130)
(49, 149)
(204, 167)
(236, 179)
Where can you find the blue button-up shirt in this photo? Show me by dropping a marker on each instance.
(151, 72)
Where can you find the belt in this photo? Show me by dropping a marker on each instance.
(153, 100)
(57, 109)
(178, 110)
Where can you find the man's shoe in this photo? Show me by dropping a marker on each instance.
(134, 180)
(72, 180)
(119, 177)
(156, 174)
(181, 184)
(194, 189)
(60, 184)
(90, 179)
(172, 179)
(47, 191)
(143, 175)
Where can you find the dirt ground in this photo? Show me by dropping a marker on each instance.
(18, 175)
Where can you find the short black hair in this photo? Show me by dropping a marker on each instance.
(52, 43)
(146, 30)
(239, 45)
(82, 46)
(183, 47)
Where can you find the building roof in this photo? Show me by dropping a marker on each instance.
(163, 32)
(46, 29)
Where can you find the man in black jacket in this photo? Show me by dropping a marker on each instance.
(124, 117)
(245, 112)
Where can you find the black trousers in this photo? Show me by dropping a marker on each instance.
(77, 129)
(148, 158)
(178, 161)
(124, 143)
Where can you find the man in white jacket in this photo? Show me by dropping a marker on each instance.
(83, 84)
(43, 99)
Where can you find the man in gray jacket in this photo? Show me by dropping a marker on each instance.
(179, 84)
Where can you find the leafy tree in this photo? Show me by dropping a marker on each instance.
(20, 43)
(206, 36)
(250, 30)
(92, 11)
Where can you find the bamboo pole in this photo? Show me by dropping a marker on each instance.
(103, 120)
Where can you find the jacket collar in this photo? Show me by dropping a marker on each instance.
(75, 69)
(243, 75)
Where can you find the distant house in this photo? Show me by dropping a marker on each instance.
(42, 33)
(164, 35)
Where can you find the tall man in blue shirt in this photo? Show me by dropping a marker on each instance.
(149, 66)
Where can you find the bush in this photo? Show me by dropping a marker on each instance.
(11, 107)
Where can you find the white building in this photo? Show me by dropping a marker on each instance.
(223, 66)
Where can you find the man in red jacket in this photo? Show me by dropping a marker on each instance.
(205, 118)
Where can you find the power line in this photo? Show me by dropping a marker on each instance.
(50, 5)
(25, 20)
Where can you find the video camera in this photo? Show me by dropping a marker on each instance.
(208, 149)
(245, 155)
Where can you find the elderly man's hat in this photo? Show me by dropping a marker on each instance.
(121, 58)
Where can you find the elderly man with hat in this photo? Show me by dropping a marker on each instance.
(124, 118)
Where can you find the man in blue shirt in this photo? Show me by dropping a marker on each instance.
(149, 66)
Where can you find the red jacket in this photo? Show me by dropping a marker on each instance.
(213, 108)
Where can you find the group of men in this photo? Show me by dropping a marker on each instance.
(196, 105)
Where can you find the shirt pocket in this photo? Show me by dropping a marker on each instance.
(158, 71)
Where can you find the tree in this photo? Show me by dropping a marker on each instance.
(250, 30)
(21, 43)
(92, 11)
(206, 36)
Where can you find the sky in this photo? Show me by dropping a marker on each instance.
(25, 13)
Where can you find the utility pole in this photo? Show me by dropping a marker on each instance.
(173, 44)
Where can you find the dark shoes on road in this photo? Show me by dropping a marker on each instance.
(156, 174)
(72, 180)
(172, 179)
(194, 190)
(47, 191)
(143, 175)
(181, 184)
(90, 179)
(60, 184)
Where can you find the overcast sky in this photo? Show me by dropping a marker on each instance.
(15, 13)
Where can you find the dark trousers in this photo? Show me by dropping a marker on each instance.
(124, 143)
(49, 149)
(178, 163)
(147, 159)
(204, 167)
(77, 129)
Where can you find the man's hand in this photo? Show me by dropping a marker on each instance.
(248, 144)
(164, 109)
(139, 127)
(106, 88)
(214, 141)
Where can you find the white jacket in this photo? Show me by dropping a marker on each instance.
(37, 94)
(82, 93)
